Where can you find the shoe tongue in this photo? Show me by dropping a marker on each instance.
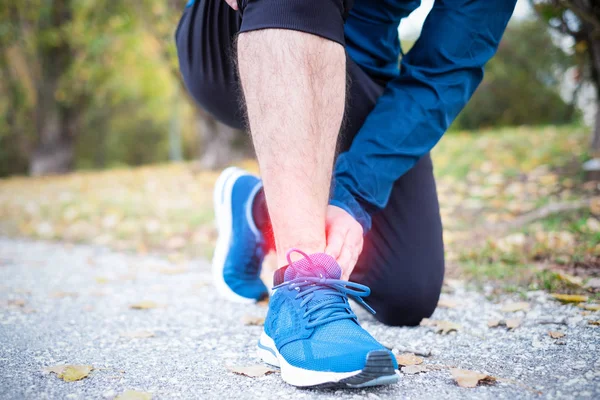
(320, 264)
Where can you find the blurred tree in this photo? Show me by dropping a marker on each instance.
(579, 19)
(219, 144)
(44, 45)
(521, 83)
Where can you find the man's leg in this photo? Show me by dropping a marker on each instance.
(294, 86)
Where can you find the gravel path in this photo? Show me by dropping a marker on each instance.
(64, 304)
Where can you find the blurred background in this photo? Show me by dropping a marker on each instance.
(100, 143)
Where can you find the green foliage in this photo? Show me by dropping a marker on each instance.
(521, 82)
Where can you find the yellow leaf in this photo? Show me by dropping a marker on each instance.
(253, 321)
(569, 298)
(555, 334)
(408, 359)
(470, 379)
(597, 323)
(590, 307)
(513, 307)
(570, 279)
(253, 371)
(134, 395)
(144, 305)
(70, 373)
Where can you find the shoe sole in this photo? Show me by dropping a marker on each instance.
(378, 370)
(223, 220)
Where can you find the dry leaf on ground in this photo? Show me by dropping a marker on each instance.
(569, 298)
(593, 283)
(144, 305)
(102, 280)
(70, 373)
(138, 334)
(493, 323)
(414, 369)
(443, 327)
(555, 334)
(16, 303)
(574, 281)
(597, 323)
(447, 303)
(253, 371)
(253, 321)
(470, 379)
(514, 307)
(134, 395)
(590, 307)
(408, 359)
(62, 295)
(513, 323)
(174, 271)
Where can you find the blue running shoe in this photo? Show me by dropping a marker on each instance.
(239, 252)
(312, 334)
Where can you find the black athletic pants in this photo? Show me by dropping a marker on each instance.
(403, 257)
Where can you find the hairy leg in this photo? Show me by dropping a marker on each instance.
(294, 89)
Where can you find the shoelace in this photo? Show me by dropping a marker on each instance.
(331, 309)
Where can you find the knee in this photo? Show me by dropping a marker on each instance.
(407, 306)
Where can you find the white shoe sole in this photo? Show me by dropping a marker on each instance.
(223, 220)
(378, 370)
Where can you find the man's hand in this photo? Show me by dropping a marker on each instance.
(232, 4)
(344, 239)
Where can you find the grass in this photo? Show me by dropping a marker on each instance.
(484, 179)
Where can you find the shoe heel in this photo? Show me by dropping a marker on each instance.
(266, 352)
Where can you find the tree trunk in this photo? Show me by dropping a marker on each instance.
(221, 145)
(57, 120)
(595, 65)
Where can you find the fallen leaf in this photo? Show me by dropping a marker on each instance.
(408, 359)
(174, 271)
(570, 279)
(16, 303)
(443, 327)
(469, 379)
(144, 305)
(569, 298)
(447, 303)
(590, 307)
(514, 307)
(414, 369)
(493, 323)
(513, 323)
(134, 395)
(138, 334)
(70, 373)
(593, 283)
(253, 371)
(62, 295)
(253, 321)
(597, 323)
(555, 334)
